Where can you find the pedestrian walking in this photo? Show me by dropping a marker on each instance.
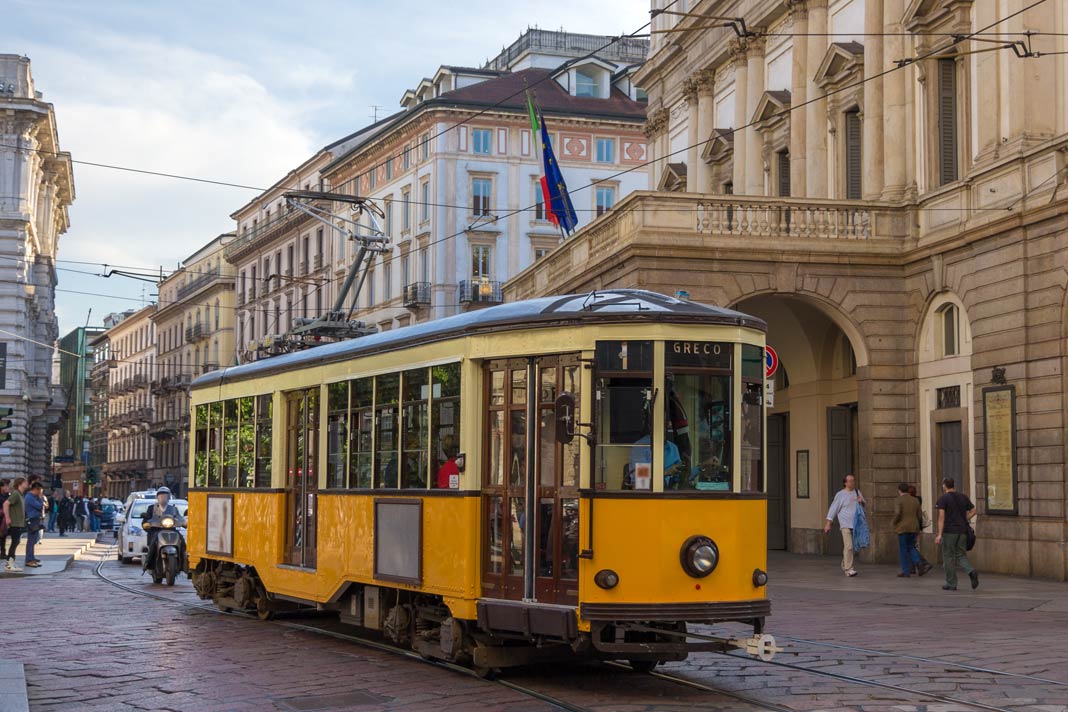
(15, 514)
(81, 513)
(844, 508)
(34, 505)
(955, 510)
(53, 512)
(66, 514)
(907, 523)
(95, 510)
(925, 522)
(5, 490)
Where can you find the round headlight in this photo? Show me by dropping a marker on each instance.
(699, 556)
(167, 522)
(606, 578)
(760, 578)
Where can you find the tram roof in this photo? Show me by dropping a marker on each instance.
(601, 306)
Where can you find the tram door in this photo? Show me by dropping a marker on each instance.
(302, 476)
(530, 523)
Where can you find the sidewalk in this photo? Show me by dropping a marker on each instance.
(819, 578)
(13, 687)
(55, 553)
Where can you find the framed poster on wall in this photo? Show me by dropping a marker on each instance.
(219, 537)
(801, 470)
(999, 436)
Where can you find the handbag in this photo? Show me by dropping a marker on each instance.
(971, 537)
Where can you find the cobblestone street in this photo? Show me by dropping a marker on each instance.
(111, 649)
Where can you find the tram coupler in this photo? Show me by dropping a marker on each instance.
(760, 646)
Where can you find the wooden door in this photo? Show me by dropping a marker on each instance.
(839, 460)
(778, 481)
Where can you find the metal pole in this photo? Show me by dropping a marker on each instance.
(531, 489)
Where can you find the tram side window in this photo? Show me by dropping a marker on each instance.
(264, 410)
(445, 425)
(246, 442)
(229, 441)
(215, 412)
(698, 415)
(337, 433)
(361, 442)
(387, 389)
(752, 419)
(624, 409)
(200, 453)
(415, 412)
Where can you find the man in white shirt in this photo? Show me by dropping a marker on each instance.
(844, 506)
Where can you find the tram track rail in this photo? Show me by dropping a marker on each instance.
(553, 702)
(932, 661)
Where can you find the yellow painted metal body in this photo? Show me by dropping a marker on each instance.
(640, 538)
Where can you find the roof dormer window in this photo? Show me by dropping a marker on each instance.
(585, 83)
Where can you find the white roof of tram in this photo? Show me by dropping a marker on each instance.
(611, 305)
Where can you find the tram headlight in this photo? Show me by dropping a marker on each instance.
(760, 578)
(606, 578)
(699, 556)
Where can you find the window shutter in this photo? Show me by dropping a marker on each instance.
(784, 174)
(853, 167)
(947, 120)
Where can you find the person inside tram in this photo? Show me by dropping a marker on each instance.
(638, 471)
(449, 471)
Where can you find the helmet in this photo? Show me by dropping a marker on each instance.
(163, 490)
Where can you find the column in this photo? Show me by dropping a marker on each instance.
(693, 152)
(741, 85)
(816, 181)
(1031, 87)
(798, 94)
(873, 100)
(700, 170)
(754, 141)
(895, 116)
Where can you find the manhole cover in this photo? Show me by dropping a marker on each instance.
(332, 702)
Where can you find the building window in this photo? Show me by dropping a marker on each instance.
(585, 84)
(424, 264)
(371, 178)
(540, 252)
(406, 215)
(389, 218)
(539, 202)
(950, 331)
(424, 207)
(606, 198)
(389, 169)
(319, 243)
(783, 162)
(387, 281)
(371, 287)
(406, 264)
(854, 165)
(426, 146)
(407, 157)
(481, 261)
(947, 121)
(481, 141)
(606, 150)
(480, 195)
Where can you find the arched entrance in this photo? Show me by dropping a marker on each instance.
(814, 427)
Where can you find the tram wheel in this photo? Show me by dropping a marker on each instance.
(643, 665)
(486, 673)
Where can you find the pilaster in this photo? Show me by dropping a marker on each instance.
(741, 92)
(754, 163)
(799, 94)
(895, 113)
(816, 180)
(873, 100)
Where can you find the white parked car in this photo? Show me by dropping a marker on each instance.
(132, 539)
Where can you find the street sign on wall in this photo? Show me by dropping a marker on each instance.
(771, 362)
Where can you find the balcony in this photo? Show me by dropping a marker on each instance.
(194, 333)
(200, 282)
(181, 381)
(248, 241)
(417, 295)
(164, 429)
(209, 367)
(689, 226)
(161, 386)
(480, 292)
(138, 381)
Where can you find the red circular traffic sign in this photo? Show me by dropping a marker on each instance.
(771, 362)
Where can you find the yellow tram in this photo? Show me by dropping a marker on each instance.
(568, 476)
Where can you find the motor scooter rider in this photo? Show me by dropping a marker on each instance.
(160, 508)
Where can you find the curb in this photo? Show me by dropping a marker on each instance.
(13, 694)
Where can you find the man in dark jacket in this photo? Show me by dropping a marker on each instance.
(66, 514)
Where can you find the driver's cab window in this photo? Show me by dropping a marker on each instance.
(697, 386)
(623, 415)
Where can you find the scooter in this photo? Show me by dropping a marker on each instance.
(167, 553)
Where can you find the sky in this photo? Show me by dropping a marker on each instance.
(240, 91)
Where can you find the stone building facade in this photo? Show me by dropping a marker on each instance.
(36, 186)
(124, 364)
(902, 236)
(194, 326)
(73, 461)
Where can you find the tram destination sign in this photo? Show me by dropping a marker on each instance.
(699, 354)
